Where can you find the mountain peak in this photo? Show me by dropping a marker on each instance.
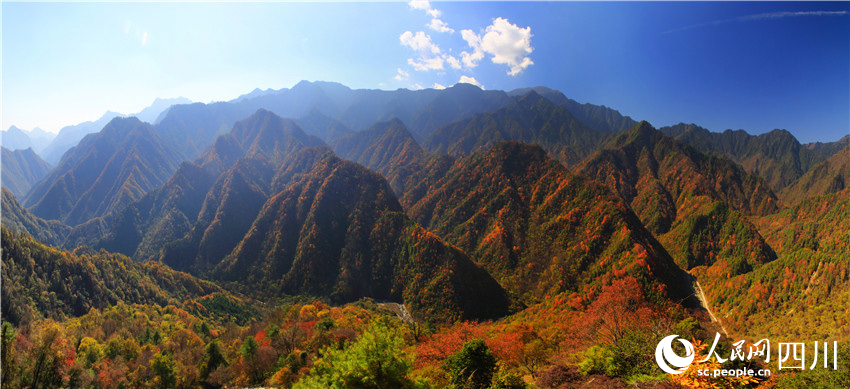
(393, 123)
(304, 85)
(532, 98)
(124, 122)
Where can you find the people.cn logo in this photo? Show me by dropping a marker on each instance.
(665, 357)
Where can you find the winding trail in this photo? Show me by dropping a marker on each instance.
(704, 302)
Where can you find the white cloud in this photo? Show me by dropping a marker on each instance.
(436, 24)
(416, 86)
(430, 55)
(439, 26)
(420, 42)
(420, 4)
(426, 64)
(453, 62)
(470, 80)
(438, 86)
(401, 75)
(470, 60)
(507, 43)
(144, 38)
(769, 15)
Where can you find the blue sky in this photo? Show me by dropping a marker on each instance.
(755, 66)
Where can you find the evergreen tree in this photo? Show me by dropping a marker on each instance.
(473, 366)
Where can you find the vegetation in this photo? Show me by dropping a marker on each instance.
(541, 230)
(352, 241)
(493, 267)
(21, 169)
(40, 281)
(530, 118)
(104, 173)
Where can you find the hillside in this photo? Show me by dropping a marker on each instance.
(804, 294)
(695, 203)
(827, 177)
(530, 119)
(41, 281)
(190, 197)
(776, 156)
(326, 128)
(17, 218)
(105, 172)
(539, 229)
(226, 212)
(598, 117)
(21, 169)
(387, 148)
(338, 231)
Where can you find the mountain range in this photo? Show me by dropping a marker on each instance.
(524, 207)
(15, 138)
(104, 172)
(21, 169)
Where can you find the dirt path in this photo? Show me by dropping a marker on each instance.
(704, 302)
(399, 309)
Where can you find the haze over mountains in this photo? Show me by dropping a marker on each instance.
(461, 204)
(51, 146)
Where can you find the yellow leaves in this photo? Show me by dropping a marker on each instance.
(308, 312)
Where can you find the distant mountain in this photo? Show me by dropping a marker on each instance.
(598, 117)
(828, 149)
(387, 148)
(257, 92)
(530, 119)
(338, 231)
(40, 281)
(454, 103)
(192, 128)
(324, 127)
(776, 156)
(200, 196)
(150, 113)
(327, 98)
(262, 135)
(15, 138)
(21, 169)
(827, 177)
(540, 230)
(267, 135)
(695, 203)
(326, 109)
(17, 218)
(69, 136)
(370, 106)
(105, 172)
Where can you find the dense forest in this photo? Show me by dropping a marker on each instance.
(321, 236)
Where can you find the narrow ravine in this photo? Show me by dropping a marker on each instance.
(704, 301)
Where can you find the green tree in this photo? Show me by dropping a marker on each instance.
(166, 371)
(505, 379)
(473, 366)
(7, 348)
(376, 360)
(213, 358)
